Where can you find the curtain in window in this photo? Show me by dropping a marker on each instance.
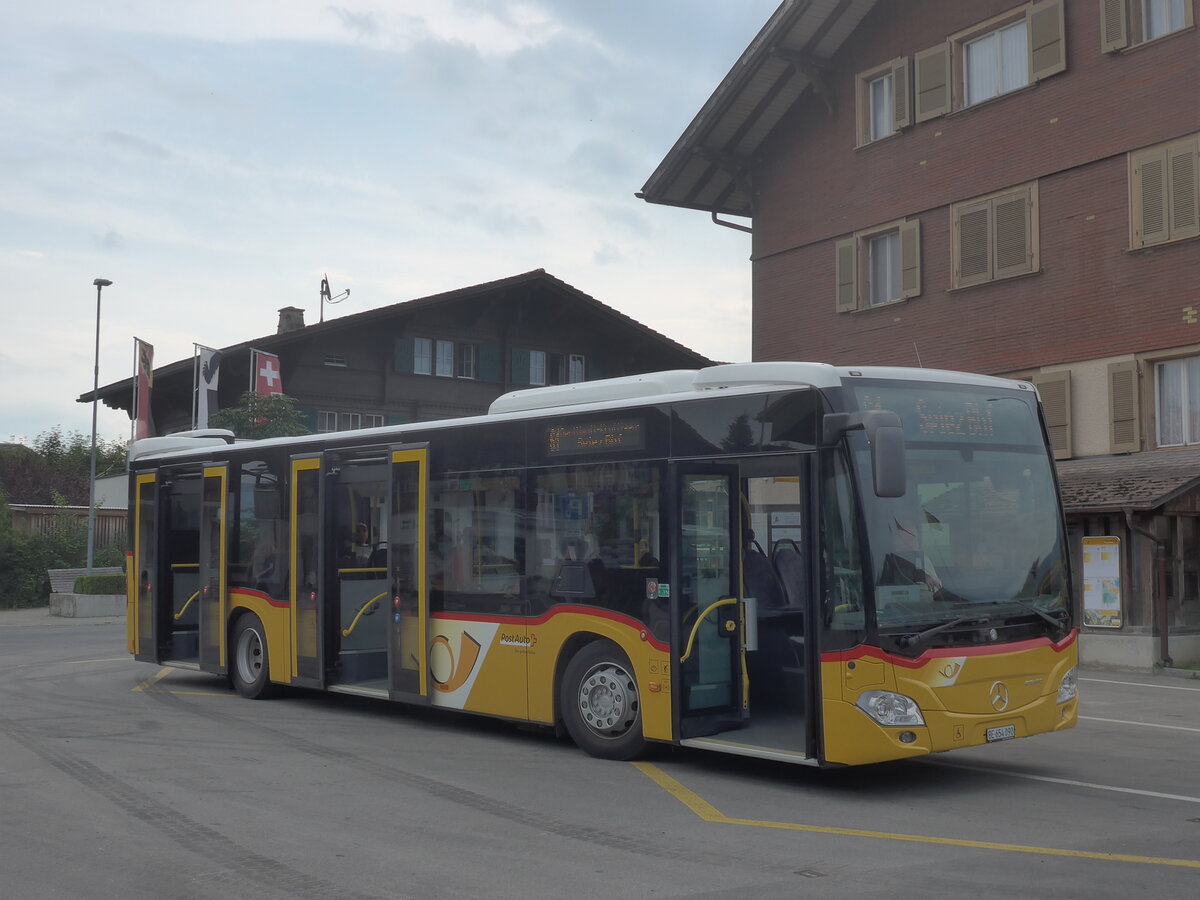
(997, 63)
(1163, 17)
(1170, 403)
(885, 268)
(881, 107)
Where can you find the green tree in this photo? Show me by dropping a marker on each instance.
(261, 416)
(57, 462)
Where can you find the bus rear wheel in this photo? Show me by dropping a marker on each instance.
(600, 703)
(250, 671)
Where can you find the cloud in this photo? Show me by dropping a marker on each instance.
(109, 240)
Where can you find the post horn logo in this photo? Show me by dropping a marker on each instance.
(999, 696)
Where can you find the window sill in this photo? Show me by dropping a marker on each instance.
(1004, 280)
(1153, 42)
(867, 145)
(983, 104)
(891, 304)
(1146, 248)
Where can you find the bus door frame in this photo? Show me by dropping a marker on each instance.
(731, 620)
(214, 594)
(299, 597)
(401, 637)
(143, 631)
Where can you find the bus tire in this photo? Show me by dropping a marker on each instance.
(600, 702)
(250, 671)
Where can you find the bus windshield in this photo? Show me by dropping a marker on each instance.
(973, 551)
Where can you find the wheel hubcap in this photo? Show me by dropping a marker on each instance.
(250, 654)
(608, 700)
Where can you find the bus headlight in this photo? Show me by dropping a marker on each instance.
(1069, 689)
(890, 708)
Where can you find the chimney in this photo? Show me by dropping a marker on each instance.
(291, 318)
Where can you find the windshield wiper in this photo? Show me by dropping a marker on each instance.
(907, 640)
(1058, 623)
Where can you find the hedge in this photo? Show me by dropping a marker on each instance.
(100, 584)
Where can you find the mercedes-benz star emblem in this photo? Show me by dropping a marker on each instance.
(999, 695)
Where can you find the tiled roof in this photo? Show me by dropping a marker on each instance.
(1138, 481)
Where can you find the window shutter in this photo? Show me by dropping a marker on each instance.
(519, 367)
(1114, 25)
(1012, 253)
(1182, 193)
(489, 362)
(403, 363)
(308, 418)
(973, 263)
(901, 95)
(1047, 43)
(1123, 432)
(1149, 197)
(932, 82)
(910, 259)
(1055, 391)
(846, 264)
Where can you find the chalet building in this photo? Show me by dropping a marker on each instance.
(437, 357)
(1002, 188)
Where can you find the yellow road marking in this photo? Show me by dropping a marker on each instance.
(709, 813)
(149, 685)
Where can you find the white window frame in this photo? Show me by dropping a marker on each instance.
(881, 108)
(444, 359)
(326, 421)
(1173, 12)
(1186, 372)
(537, 367)
(422, 356)
(892, 292)
(1001, 70)
(466, 361)
(576, 368)
(372, 420)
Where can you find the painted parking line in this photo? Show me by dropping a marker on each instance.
(968, 767)
(150, 685)
(709, 813)
(1161, 687)
(1139, 724)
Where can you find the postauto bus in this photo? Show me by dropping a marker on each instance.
(820, 565)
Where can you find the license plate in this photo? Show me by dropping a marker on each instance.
(1002, 733)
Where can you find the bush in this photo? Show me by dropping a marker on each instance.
(100, 584)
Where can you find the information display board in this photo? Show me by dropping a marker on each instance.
(1102, 606)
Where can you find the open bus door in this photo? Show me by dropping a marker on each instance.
(213, 570)
(306, 562)
(407, 574)
(142, 631)
(706, 615)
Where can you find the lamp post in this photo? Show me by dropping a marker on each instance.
(101, 284)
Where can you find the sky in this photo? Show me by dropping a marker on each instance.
(216, 159)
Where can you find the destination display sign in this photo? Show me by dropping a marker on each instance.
(957, 414)
(595, 437)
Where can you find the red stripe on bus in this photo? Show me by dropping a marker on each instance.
(862, 652)
(528, 621)
(250, 592)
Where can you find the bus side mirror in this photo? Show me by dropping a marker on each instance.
(885, 436)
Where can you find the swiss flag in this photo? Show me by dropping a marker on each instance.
(268, 379)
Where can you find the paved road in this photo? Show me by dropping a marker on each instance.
(119, 779)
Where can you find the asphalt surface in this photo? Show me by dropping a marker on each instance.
(122, 779)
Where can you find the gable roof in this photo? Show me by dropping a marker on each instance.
(708, 167)
(117, 393)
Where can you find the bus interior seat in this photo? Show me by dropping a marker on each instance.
(759, 576)
(788, 563)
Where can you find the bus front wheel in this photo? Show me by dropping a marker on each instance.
(600, 703)
(250, 671)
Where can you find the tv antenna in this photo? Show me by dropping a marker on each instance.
(326, 298)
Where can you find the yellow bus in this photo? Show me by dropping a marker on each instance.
(819, 565)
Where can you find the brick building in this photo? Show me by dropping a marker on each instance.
(1002, 188)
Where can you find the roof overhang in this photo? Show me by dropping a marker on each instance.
(710, 166)
(1141, 482)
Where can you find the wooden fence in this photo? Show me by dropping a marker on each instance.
(29, 518)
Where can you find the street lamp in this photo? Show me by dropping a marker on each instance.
(101, 284)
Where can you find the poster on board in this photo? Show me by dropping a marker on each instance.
(1102, 606)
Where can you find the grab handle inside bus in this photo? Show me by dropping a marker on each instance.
(885, 436)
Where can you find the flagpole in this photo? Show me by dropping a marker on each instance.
(101, 284)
